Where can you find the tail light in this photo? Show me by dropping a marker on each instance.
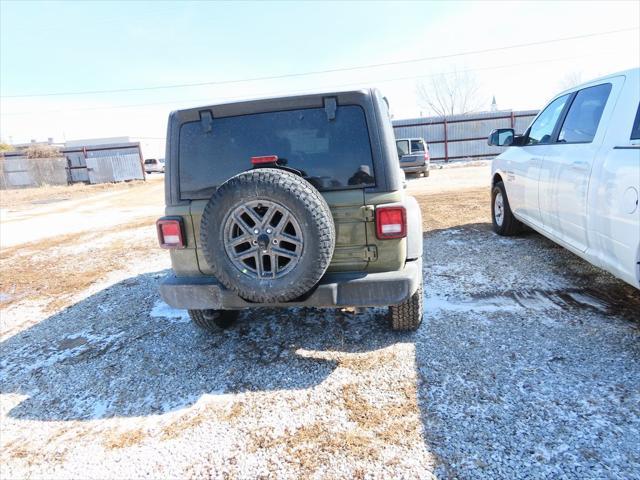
(170, 232)
(426, 156)
(391, 222)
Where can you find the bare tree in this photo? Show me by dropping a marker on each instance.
(450, 94)
(570, 80)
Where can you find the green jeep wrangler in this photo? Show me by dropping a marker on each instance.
(294, 201)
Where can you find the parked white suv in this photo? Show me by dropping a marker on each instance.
(574, 175)
(152, 165)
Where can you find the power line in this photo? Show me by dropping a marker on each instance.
(288, 92)
(318, 72)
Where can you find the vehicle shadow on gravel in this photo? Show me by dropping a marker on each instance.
(528, 360)
(106, 356)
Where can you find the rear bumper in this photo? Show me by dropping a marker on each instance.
(333, 290)
(415, 168)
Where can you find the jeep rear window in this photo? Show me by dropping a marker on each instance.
(330, 154)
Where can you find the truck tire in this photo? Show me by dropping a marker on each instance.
(504, 223)
(408, 315)
(213, 320)
(268, 235)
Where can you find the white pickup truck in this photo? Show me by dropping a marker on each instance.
(574, 175)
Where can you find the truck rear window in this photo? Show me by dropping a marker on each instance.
(330, 154)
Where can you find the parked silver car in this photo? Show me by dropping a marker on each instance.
(414, 155)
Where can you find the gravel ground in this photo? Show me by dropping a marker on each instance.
(529, 361)
(527, 366)
(121, 386)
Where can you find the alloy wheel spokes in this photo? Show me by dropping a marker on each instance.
(263, 239)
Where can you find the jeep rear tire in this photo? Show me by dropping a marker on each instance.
(268, 235)
(408, 315)
(213, 320)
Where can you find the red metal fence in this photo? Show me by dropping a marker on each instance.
(462, 136)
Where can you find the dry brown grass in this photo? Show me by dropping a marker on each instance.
(237, 409)
(182, 424)
(451, 209)
(27, 196)
(29, 455)
(50, 270)
(365, 362)
(391, 423)
(314, 445)
(377, 426)
(75, 238)
(190, 421)
(124, 439)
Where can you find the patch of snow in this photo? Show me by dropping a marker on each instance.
(105, 308)
(589, 300)
(536, 301)
(99, 409)
(434, 304)
(162, 310)
(455, 242)
(466, 163)
(30, 358)
(5, 297)
(450, 231)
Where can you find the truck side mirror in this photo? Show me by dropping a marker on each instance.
(501, 137)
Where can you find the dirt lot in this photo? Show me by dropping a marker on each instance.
(527, 364)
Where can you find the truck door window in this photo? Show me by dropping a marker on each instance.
(416, 146)
(582, 120)
(635, 131)
(542, 128)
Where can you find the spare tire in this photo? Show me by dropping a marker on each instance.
(268, 235)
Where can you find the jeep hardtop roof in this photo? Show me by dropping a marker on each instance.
(374, 107)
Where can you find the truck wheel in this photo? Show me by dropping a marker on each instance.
(213, 320)
(504, 223)
(268, 235)
(408, 315)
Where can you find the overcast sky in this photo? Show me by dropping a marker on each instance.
(71, 47)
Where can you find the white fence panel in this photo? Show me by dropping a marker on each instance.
(127, 167)
(100, 171)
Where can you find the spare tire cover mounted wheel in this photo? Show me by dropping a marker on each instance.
(268, 235)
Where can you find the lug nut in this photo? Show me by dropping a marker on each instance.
(275, 242)
(256, 231)
(255, 242)
(269, 230)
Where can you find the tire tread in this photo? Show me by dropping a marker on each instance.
(408, 315)
(510, 224)
(313, 201)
